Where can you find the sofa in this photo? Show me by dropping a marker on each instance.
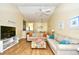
(37, 40)
(63, 49)
(32, 36)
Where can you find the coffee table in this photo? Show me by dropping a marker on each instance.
(40, 44)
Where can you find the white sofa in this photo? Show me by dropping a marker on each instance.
(64, 49)
(30, 38)
(34, 37)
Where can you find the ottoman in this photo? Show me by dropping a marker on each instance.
(38, 43)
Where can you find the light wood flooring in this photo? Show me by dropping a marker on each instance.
(24, 48)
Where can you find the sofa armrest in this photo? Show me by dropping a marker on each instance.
(28, 38)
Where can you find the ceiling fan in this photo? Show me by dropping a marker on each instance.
(45, 11)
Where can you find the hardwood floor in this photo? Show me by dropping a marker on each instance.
(24, 48)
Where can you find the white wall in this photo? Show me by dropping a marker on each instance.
(10, 16)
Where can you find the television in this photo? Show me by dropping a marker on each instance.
(7, 32)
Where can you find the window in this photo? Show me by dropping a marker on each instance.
(29, 27)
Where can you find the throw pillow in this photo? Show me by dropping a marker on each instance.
(30, 34)
(65, 42)
(44, 34)
(51, 36)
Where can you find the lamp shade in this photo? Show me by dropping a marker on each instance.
(53, 30)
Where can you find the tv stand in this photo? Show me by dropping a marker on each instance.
(7, 43)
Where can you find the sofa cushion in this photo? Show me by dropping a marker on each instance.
(34, 35)
(74, 41)
(67, 47)
(59, 38)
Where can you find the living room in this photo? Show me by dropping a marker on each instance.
(32, 25)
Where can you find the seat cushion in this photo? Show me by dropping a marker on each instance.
(67, 47)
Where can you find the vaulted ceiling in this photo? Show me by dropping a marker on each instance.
(36, 12)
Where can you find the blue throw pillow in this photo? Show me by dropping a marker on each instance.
(51, 36)
(65, 42)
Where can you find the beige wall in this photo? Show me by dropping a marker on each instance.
(10, 16)
(63, 13)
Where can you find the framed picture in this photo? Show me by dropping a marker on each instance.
(61, 25)
(74, 22)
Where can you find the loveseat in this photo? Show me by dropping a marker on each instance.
(35, 35)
